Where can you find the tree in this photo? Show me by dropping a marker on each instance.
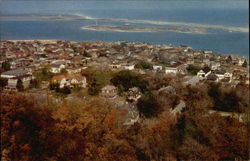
(126, 79)
(65, 90)
(6, 65)
(19, 85)
(147, 105)
(229, 59)
(44, 74)
(86, 54)
(144, 65)
(244, 64)
(35, 83)
(3, 82)
(193, 70)
(54, 86)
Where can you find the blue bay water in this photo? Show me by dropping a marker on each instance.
(232, 13)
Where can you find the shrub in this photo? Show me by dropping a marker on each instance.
(193, 70)
(144, 65)
(147, 105)
(126, 79)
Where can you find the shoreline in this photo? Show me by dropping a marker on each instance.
(123, 28)
(133, 21)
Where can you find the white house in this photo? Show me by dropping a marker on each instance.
(129, 66)
(214, 65)
(14, 75)
(56, 68)
(157, 67)
(70, 81)
(171, 70)
(204, 72)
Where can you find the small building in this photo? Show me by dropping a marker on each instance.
(171, 70)
(115, 65)
(157, 67)
(14, 76)
(129, 66)
(108, 91)
(203, 73)
(56, 68)
(75, 70)
(70, 81)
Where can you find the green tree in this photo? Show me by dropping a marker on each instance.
(193, 70)
(86, 54)
(6, 65)
(126, 79)
(35, 83)
(44, 74)
(244, 64)
(144, 65)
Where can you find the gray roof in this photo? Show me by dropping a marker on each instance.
(109, 87)
(16, 72)
(168, 89)
(179, 107)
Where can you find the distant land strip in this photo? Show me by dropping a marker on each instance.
(151, 22)
(128, 28)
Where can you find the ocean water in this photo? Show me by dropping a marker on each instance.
(226, 13)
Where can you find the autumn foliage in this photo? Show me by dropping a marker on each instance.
(93, 129)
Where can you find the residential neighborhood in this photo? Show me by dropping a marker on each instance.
(73, 57)
(135, 82)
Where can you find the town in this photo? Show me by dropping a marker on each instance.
(148, 86)
(60, 65)
(20, 59)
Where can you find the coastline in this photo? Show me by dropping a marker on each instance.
(56, 40)
(124, 28)
(132, 21)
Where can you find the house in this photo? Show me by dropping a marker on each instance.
(171, 70)
(108, 91)
(70, 81)
(214, 65)
(115, 65)
(14, 73)
(56, 68)
(157, 67)
(203, 73)
(75, 70)
(129, 66)
(14, 76)
(220, 74)
(133, 94)
(236, 60)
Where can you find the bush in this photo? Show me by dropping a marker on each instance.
(228, 99)
(65, 90)
(144, 65)
(35, 83)
(54, 86)
(147, 105)
(19, 85)
(3, 82)
(193, 70)
(126, 79)
(44, 74)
